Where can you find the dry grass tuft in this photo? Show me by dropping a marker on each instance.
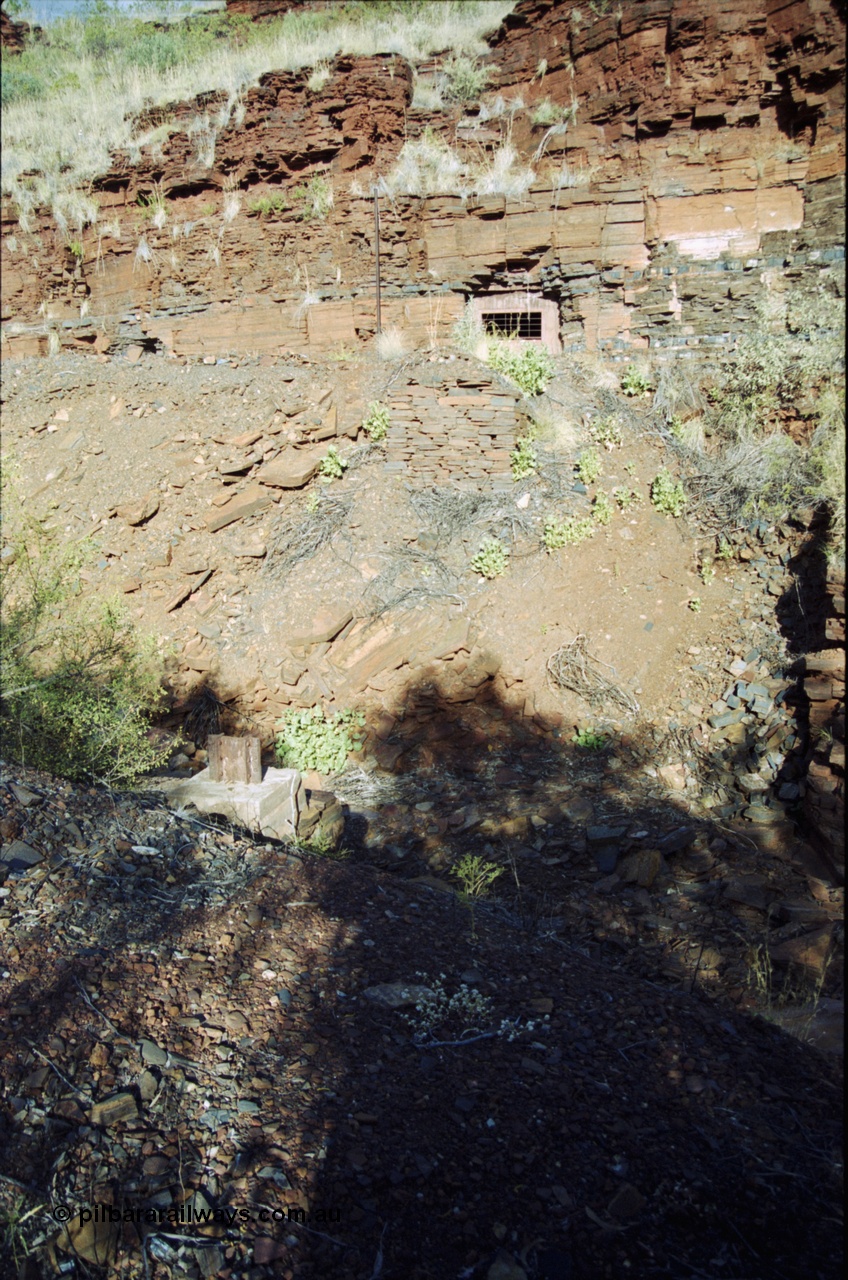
(64, 130)
(392, 344)
(429, 166)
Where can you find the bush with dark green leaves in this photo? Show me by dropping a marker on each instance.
(78, 688)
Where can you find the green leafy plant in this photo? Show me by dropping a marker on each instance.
(568, 532)
(310, 739)
(695, 604)
(602, 508)
(476, 876)
(588, 466)
(332, 466)
(315, 198)
(667, 494)
(606, 432)
(725, 550)
(626, 498)
(590, 739)
(531, 368)
(523, 459)
(265, 206)
(492, 559)
(78, 687)
(463, 79)
(706, 570)
(377, 421)
(635, 381)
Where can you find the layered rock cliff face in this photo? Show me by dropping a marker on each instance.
(701, 172)
(13, 34)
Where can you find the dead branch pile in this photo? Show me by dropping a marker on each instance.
(572, 667)
(303, 535)
(450, 512)
(410, 577)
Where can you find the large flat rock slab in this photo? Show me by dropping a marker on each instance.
(292, 470)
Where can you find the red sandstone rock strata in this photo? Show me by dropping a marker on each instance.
(13, 34)
(706, 155)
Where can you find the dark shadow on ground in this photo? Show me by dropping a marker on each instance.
(802, 610)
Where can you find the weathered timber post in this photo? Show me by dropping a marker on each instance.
(234, 759)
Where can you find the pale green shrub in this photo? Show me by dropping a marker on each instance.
(606, 432)
(79, 688)
(668, 494)
(588, 466)
(492, 559)
(570, 531)
(332, 466)
(523, 459)
(602, 508)
(530, 368)
(310, 739)
(377, 421)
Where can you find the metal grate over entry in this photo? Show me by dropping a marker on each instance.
(514, 324)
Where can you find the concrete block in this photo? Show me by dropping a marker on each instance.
(270, 807)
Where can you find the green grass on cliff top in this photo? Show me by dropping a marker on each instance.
(73, 96)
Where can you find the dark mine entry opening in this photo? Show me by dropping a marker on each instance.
(514, 324)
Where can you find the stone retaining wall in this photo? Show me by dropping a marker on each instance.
(456, 429)
(824, 685)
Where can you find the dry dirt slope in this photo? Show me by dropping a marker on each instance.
(145, 455)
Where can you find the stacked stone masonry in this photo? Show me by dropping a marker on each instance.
(456, 430)
(824, 685)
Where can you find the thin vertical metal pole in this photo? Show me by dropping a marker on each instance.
(377, 252)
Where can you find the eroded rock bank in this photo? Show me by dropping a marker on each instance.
(702, 161)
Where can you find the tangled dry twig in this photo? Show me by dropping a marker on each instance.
(572, 667)
(300, 537)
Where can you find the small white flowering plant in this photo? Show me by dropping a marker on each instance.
(460, 1018)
